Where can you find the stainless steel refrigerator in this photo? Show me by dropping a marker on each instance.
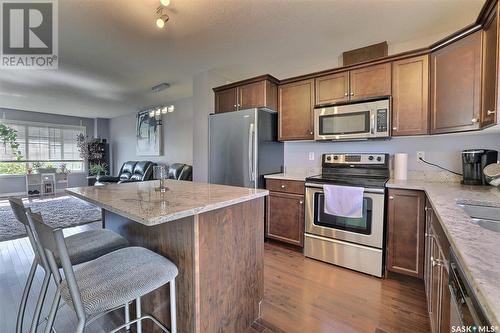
(243, 147)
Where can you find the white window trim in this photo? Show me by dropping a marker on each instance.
(41, 124)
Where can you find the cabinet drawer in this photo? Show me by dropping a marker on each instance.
(286, 186)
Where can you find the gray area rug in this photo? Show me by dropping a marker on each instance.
(62, 212)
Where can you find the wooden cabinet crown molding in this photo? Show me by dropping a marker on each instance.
(247, 81)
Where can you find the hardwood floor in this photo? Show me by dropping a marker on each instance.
(305, 295)
(301, 295)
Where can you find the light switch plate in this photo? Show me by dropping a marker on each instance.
(311, 156)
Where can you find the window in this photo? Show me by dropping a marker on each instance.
(49, 144)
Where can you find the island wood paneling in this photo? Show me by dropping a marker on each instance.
(174, 240)
(220, 259)
(231, 272)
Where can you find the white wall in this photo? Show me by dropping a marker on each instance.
(203, 102)
(441, 149)
(177, 137)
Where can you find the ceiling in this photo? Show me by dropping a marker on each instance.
(111, 53)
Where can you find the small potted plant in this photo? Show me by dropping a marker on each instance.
(63, 168)
(98, 169)
(46, 168)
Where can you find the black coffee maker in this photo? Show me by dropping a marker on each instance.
(473, 163)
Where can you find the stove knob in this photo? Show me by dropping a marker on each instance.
(370, 158)
(328, 158)
(335, 157)
(379, 158)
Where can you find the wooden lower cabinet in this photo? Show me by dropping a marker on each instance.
(417, 246)
(436, 274)
(285, 211)
(405, 232)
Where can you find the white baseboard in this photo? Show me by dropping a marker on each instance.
(13, 194)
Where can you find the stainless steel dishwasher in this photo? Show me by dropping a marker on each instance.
(465, 310)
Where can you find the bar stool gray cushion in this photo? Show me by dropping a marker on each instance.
(114, 279)
(92, 244)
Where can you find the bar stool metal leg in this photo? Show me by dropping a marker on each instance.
(173, 315)
(127, 316)
(26, 291)
(39, 303)
(138, 314)
(53, 312)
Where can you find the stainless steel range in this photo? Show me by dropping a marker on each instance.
(355, 243)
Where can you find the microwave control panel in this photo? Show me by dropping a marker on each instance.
(382, 122)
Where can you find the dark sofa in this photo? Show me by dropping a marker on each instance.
(136, 171)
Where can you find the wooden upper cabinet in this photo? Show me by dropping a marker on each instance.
(226, 100)
(371, 81)
(405, 232)
(257, 92)
(490, 72)
(295, 110)
(332, 88)
(410, 96)
(456, 86)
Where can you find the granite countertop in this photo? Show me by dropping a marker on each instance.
(478, 249)
(299, 175)
(140, 202)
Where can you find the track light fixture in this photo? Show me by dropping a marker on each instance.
(161, 14)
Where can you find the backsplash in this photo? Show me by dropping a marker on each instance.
(444, 150)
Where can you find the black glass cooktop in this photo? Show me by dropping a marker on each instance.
(349, 180)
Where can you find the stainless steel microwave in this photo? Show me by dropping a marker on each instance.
(360, 121)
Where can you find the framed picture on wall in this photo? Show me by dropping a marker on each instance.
(148, 135)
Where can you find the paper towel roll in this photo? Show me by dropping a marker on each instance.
(401, 166)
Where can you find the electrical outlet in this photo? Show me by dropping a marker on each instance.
(311, 156)
(420, 155)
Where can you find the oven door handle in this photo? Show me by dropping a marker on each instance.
(366, 190)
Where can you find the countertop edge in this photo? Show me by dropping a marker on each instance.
(421, 187)
(281, 176)
(172, 216)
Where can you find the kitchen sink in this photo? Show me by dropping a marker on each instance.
(484, 216)
(493, 225)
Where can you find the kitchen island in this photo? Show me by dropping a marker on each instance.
(213, 233)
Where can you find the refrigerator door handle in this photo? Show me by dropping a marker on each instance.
(251, 149)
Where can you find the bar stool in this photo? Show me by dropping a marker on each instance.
(82, 247)
(107, 283)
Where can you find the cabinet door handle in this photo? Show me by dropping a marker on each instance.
(490, 112)
(394, 128)
(352, 93)
(235, 106)
(391, 197)
(311, 132)
(283, 186)
(301, 202)
(436, 262)
(346, 94)
(475, 120)
(428, 209)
